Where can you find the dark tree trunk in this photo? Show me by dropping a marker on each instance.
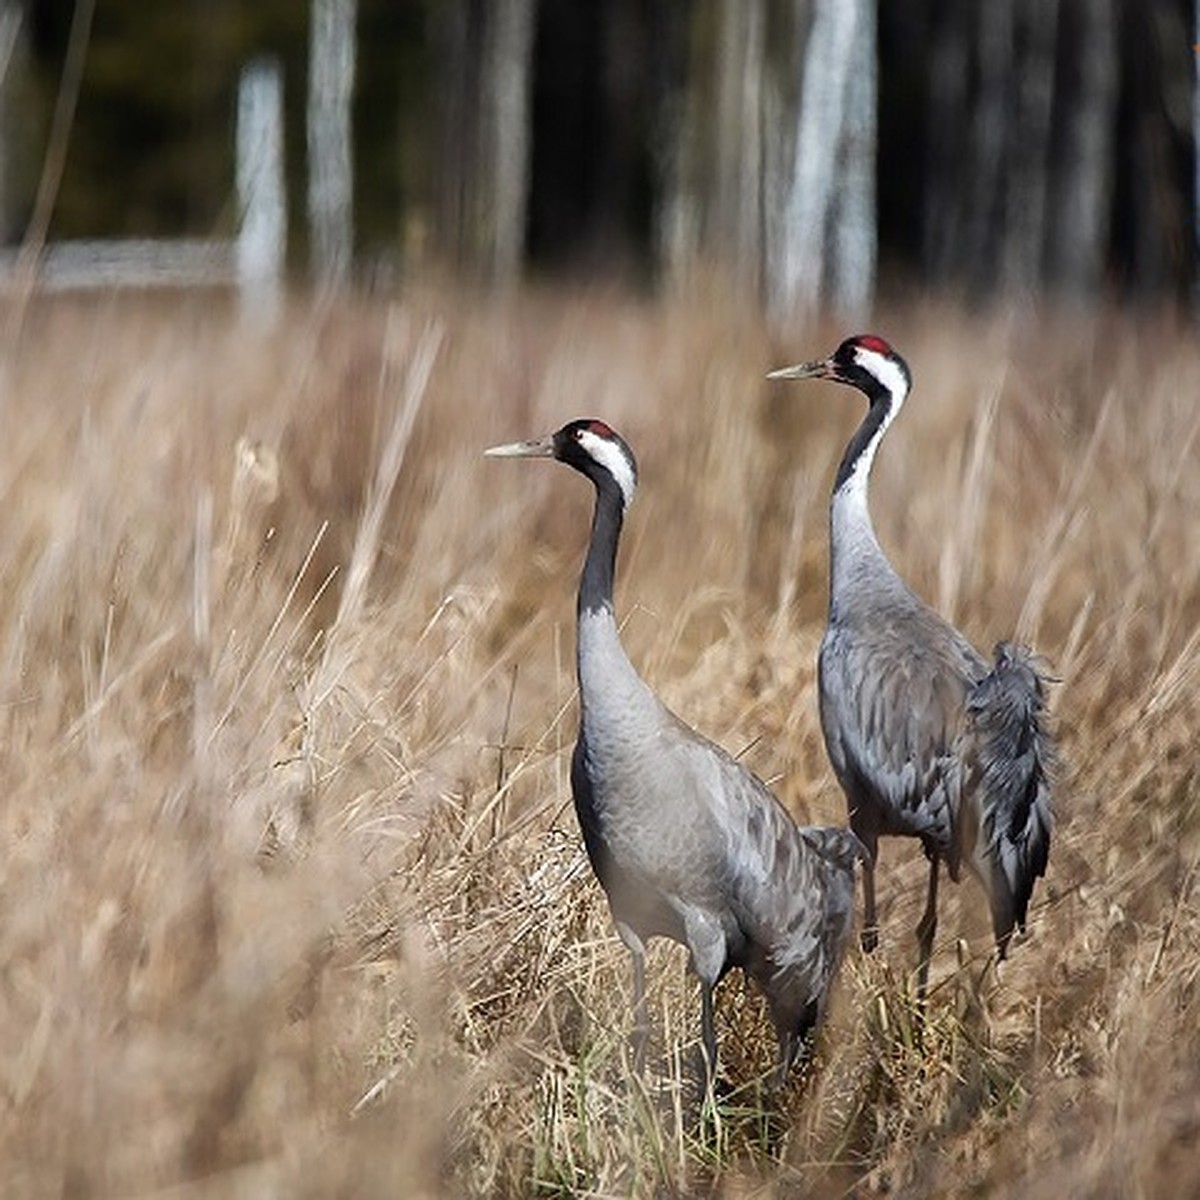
(1086, 133)
(989, 138)
(943, 240)
(504, 147)
(1028, 151)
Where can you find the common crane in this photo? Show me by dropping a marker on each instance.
(687, 843)
(926, 738)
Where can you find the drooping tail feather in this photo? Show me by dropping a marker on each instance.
(836, 845)
(800, 971)
(1011, 760)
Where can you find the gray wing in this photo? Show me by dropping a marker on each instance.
(782, 897)
(810, 902)
(1009, 758)
(694, 827)
(840, 852)
(893, 690)
(741, 834)
(791, 891)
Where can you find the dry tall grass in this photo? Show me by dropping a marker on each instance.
(292, 901)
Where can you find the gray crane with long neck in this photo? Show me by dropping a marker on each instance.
(927, 739)
(686, 842)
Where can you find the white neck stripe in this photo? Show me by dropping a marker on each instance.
(887, 371)
(895, 381)
(610, 456)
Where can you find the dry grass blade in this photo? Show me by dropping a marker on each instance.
(370, 527)
(277, 918)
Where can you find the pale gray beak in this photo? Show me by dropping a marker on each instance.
(537, 448)
(812, 370)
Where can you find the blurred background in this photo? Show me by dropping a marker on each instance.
(294, 898)
(804, 151)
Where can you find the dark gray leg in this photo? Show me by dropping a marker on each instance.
(787, 1052)
(870, 929)
(708, 1031)
(795, 1033)
(641, 1026)
(926, 928)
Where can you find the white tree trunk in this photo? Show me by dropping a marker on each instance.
(852, 265)
(737, 218)
(262, 237)
(505, 145)
(801, 260)
(331, 69)
(679, 155)
(677, 223)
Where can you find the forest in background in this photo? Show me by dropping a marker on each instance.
(1006, 146)
(295, 902)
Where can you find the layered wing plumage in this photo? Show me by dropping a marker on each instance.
(699, 849)
(891, 711)
(1008, 759)
(927, 741)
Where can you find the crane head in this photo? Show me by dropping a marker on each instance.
(590, 446)
(865, 362)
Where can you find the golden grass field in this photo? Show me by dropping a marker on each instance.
(292, 898)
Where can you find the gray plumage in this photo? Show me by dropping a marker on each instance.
(926, 738)
(686, 842)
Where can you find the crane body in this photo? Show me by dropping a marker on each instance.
(686, 842)
(926, 737)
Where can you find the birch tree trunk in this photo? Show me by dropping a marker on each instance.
(454, 45)
(331, 68)
(852, 265)
(262, 236)
(674, 220)
(676, 224)
(802, 259)
(737, 225)
(504, 191)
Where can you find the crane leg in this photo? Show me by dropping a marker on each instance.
(795, 1041)
(870, 936)
(926, 928)
(708, 1032)
(787, 1052)
(641, 1027)
(706, 946)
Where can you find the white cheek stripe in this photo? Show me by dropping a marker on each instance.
(892, 378)
(609, 454)
(886, 371)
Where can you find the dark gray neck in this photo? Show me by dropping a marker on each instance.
(599, 568)
(613, 699)
(866, 438)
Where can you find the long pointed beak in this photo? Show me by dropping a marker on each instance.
(536, 448)
(822, 369)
